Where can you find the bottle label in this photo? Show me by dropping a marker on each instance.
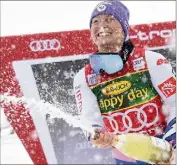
(160, 143)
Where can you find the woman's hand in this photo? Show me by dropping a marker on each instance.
(171, 161)
(104, 140)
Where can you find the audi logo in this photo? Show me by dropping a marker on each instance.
(126, 116)
(43, 45)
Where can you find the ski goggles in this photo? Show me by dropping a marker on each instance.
(110, 63)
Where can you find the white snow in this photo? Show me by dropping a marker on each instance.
(13, 151)
(28, 17)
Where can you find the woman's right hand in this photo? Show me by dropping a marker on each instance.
(103, 140)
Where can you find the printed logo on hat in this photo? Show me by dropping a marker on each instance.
(101, 8)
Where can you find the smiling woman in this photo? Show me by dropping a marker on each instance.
(124, 97)
(29, 17)
(106, 37)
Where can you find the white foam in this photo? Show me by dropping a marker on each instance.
(45, 107)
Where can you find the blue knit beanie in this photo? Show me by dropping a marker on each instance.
(116, 9)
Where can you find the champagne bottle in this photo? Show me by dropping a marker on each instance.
(142, 147)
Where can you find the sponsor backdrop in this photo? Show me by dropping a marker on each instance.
(54, 84)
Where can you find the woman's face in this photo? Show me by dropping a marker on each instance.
(107, 32)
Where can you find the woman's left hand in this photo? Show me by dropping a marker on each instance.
(171, 161)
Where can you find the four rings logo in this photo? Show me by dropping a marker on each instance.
(43, 45)
(117, 88)
(134, 119)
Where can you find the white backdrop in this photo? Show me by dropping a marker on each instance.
(18, 17)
